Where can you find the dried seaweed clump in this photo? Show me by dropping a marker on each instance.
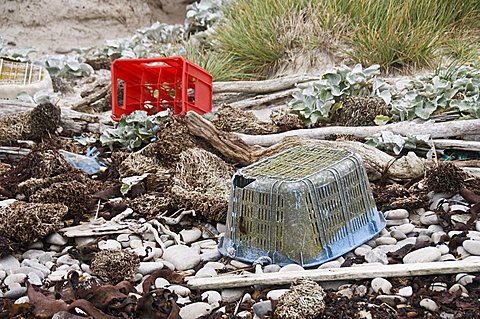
(114, 266)
(444, 178)
(30, 125)
(6, 246)
(27, 222)
(72, 194)
(305, 300)
(138, 164)
(4, 167)
(149, 205)
(361, 111)
(286, 121)
(396, 196)
(41, 162)
(230, 119)
(202, 183)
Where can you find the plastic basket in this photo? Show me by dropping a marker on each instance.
(16, 77)
(158, 84)
(306, 205)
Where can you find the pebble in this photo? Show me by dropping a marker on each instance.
(33, 254)
(210, 255)
(362, 250)
(435, 228)
(386, 241)
(34, 279)
(398, 235)
(14, 279)
(457, 287)
(182, 257)
(238, 264)
(190, 235)
(457, 207)
(422, 255)
(56, 239)
(215, 265)
(448, 257)
(136, 243)
(66, 315)
(221, 228)
(361, 290)
(376, 256)
(195, 310)
(233, 294)
(472, 246)
(464, 279)
(245, 314)
(212, 297)
(161, 283)
(407, 241)
(423, 240)
(291, 267)
(37, 266)
(396, 214)
(6, 202)
(180, 290)
(206, 272)
(438, 287)
(477, 225)
(405, 228)
(391, 300)
(272, 268)
(405, 291)
(3, 274)
(124, 240)
(15, 291)
(276, 293)
(147, 267)
(429, 304)
(109, 244)
(58, 275)
(429, 218)
(397, 222)
(67, 260)
(381, 285)
(9, 263)
(80, 241)
(55, 248)
(261, 308)
(207, 243)
(438, 237)
(443, 249)
(332, 264)
(462, 252)
(21, 300)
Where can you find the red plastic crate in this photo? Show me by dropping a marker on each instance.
(158, 84)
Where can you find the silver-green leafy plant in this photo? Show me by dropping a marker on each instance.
(446, 90)
(388, 141)
(134, 130)
(70, 65)
(204, 14)
(317, 102)
(39, 97)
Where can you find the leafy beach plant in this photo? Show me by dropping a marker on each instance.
(318, 101)
(134, 130)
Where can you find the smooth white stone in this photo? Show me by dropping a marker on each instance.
(34, 279)
(472, 246)
(109, 244)
(457, 207)
(429, 304)
(443, 249)
(404, 228)
(457, 287)
(21, 300)
(151, 244)
(423, 255)
(3, 274)
(422, 231)
(67, 260)
(376, 256)
(6, 202)
(407, 241)
(231, 295)
(195, 310)
(261, 308)
(206, 272)
(124, 240)
(396, 214)
(397, 222)
(386, 241)
(462, 252)
(405, 291)
(56, 239)
(190, 235)
(238, 264)
(161, 283)
(15, 291)
(58, 275)
(398, 235)
(137, 277)
(212, 297)
(435, 228)
(9, 263)
(86, 268)
(454, 232)
(210, 254)
(167, 264)
(423, 239)
(221, 228)
(147, 267)
(33, 254)
(475, 259)
(429, 218)
(291, 267)
(447, 257)
(271, 268)
(182, 257)
(47, 257)
(464, 279)
(180, 290)
(276, 294)
(477, 225)
(381, 285)
(196, 249)
(438, 286)
(215, 265)
(153, 254)
(247, 298)
(136, 243)
(14, 279)
(437, 237)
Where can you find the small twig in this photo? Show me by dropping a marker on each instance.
(120, 217)
(164, 229)
(98, 209)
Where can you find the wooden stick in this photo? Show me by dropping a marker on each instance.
(347, 273)
(267, 86)
(12, 153)
(436, 130)
(260, 100)
(456, 144)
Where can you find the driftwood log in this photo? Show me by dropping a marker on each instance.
(262, 87)
(435, 130)
(377, 163)
(346, 273)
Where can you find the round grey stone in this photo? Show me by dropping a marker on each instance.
(180, 290)
(423, 255)
(398, 235)
(34, 279)
(233, 294)
(472, 246)
(182, 257)
(190, 235)
(396, 214)
(161, 283)
(56, 239)
(195, 310)
(67, 260)
(429, 218)
(386, 241)
(405, 228)
(291, 267)
(15, 291)
(261, 308)
(212, 297)
(206, 272)
(147, 267)
(406, 292)
(429, 304)
(9, 263)
(381, 285)
(109, 244)
(276, 293)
